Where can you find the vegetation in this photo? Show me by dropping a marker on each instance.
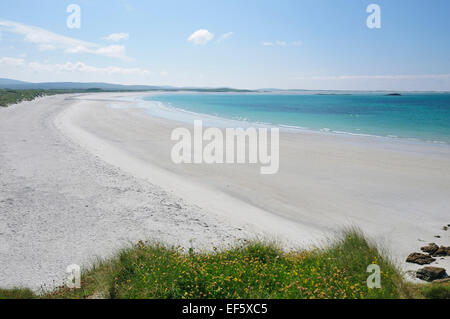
(10, 96)
(254, 270)
(435, 291)
(17, 293)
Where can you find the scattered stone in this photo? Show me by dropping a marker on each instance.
(431, 248)
(431, 273)
(442, 251)
(419, 258)
(437, 236)
(445, 228)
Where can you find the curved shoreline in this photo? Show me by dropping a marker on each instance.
(60, 205)
(394, 191)
(179, 114)
(214, 201)
(76, 203)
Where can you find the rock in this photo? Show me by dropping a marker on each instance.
(442, 251)
(431, 248)
(419, 258)
(445, 228)
(437, 236)
(431, 273)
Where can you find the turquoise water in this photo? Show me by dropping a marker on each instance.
(420, 116)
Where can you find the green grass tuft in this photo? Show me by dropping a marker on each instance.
(254, 270)
(436, 291)
(17, 293)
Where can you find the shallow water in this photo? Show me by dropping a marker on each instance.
(411, 115)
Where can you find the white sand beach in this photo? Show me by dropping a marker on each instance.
(80, 179)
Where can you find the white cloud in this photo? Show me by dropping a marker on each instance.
(47, 47)
(164, 73)
(115, 51)
(280, 43)
(116, 37)
(225, 36)
(68, 67)
(201, 37)
(47, 40)
(84, 68)
(7, 61)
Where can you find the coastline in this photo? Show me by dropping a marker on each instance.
(393, 189)
(161, 105)
(60, 205)
(395, 192)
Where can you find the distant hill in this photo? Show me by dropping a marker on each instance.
(20, 85)
(5, 82)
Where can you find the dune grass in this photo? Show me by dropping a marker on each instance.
(17, 293)
(255, 270)
(10, 96)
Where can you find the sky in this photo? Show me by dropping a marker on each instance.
(252, 44)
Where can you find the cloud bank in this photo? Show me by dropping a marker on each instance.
(68, 67)
(47, 40)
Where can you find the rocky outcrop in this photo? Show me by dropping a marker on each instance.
(431, 248)
(441, 252)
(431, 273)
(419, 258)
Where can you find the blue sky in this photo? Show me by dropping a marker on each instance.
(310, 44)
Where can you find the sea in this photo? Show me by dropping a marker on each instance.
(417, 116)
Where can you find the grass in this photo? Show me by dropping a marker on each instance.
(436, 291)
(9, 96)
(255, 270)
(14, 96)
(17, 293)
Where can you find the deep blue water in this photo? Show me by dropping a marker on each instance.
(421, 116)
